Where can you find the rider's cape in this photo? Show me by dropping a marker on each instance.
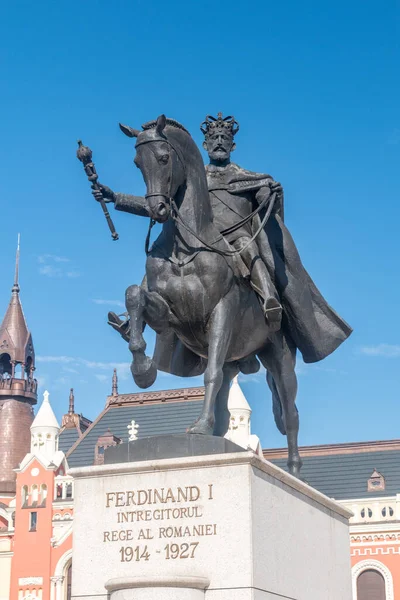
(315, 328)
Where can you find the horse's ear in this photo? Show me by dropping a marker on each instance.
(129, 131)
(161, 123)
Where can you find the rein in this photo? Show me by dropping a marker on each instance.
(177, 217)
(230, 229)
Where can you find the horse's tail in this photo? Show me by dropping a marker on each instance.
(276, 405)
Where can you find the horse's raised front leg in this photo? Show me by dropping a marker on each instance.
(144, 307)
(219, 336)
(280, 360)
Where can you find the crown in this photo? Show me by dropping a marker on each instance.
(212, 124)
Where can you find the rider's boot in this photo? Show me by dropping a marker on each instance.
(271, 306)
(273, 312)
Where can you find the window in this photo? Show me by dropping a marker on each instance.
(43, 493)
(59, 491)
(387, 511)
(366, 513)
(5, 363)
(371, 586)
(32, 521)
(28, 366)
(35, 493)
(24, 493)
(69, 582)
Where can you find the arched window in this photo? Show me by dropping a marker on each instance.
(28, 366)
(371, 586)
(49, 443)
(24, 495)
(35, 493)
(43, 493)
(68, 490)
(59, 491)
(5, 364)
(68, 582)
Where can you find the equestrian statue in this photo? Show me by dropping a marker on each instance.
(225, 288)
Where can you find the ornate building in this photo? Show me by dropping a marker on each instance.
(365, 477)
(43, 514)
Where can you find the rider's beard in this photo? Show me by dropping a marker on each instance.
(219, 155)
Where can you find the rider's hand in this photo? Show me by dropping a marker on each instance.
(275, 186)
(103, 192)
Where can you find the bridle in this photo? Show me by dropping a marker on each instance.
(165, 141)
(177, 217)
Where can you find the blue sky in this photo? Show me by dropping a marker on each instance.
(315, 87)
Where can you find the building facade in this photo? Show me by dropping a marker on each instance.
(364, 477)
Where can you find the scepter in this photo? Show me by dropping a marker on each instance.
(84, 154)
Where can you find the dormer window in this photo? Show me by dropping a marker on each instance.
(376, 483)
(104, 442)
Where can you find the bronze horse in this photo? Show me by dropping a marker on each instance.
(194, 290)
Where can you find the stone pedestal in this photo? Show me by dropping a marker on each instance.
(225, 527)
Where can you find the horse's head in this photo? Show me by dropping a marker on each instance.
(161, 162)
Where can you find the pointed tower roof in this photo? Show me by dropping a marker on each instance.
(236, 399)
(239, 424)
(45, 417)
(15, 338)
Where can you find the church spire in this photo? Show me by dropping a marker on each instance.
(71, 408)
(18, 388)
(16, 346)
(115, 383)
(16, 277)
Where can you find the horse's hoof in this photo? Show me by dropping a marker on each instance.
(144, 373)
(295, 471)
(202, 427)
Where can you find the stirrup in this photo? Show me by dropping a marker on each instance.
(273, 314)
(123, 327)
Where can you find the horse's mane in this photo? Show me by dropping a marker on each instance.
(171, 122)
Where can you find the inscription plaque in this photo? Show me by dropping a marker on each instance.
(166, 523)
